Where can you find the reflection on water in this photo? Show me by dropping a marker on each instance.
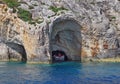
(61, 73)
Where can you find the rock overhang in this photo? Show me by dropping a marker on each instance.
(66, 29)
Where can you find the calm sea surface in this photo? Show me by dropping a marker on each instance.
(60, 73)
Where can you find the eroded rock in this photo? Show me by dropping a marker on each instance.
(81, 28)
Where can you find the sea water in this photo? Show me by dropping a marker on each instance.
(59, 73)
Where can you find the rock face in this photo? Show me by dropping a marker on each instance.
(66, 36)
(80, 28)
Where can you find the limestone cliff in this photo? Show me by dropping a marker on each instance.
(80, 28)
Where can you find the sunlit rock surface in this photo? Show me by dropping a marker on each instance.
(80, 28)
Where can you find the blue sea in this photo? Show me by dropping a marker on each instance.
(59, 73)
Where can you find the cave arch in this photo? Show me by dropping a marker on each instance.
(66, 36)
(16, 51)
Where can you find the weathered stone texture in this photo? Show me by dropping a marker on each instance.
(98, 33)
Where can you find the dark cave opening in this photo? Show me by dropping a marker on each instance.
(66, 38)
(59, 56)
(16, 51)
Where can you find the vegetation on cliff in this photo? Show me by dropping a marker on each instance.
(98, 33)
(56, 9)
(22, 13)
(12, 3)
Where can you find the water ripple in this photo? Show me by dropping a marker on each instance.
(60, 73)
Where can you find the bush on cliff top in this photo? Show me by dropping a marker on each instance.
(12, 3)
(56, 9)
(24, 14)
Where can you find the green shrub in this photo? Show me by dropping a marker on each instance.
(12, 3)
(55, 9)
(113, 17)
(24, 14)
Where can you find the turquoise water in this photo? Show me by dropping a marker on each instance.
(63, 73)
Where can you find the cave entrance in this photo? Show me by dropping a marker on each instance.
(66, 37)
(59, 56)
(16, 52)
